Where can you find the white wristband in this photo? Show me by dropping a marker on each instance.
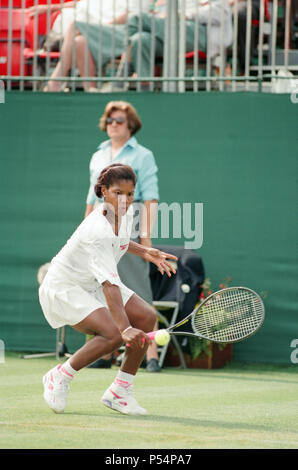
(126, 329)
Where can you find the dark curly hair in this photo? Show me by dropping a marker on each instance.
(113, 173)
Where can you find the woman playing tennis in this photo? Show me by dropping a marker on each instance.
(82, 289)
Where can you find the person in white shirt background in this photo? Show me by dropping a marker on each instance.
(82, 289)
(98, 24)
(85, 22)
(209, 14)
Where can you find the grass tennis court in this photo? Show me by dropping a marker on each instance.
(241, 407)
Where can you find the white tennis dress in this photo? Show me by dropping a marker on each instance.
(72, 289)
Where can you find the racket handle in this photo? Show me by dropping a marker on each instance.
(150, 335)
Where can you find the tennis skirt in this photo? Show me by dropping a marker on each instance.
(63, 302)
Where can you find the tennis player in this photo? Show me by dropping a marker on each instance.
(82, 289)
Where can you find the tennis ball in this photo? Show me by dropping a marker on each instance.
(162, 337)
(185, 288)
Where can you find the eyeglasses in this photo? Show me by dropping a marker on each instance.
(118, 120)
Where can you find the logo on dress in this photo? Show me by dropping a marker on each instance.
(123, 246)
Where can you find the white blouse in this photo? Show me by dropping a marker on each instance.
(92, 253)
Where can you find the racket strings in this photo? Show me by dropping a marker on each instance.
(228, 316)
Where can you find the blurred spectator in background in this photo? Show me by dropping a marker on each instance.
(90, 11)
(81, 10)
(121, 122)
(293, 14)
(241, 40)
(102, 22)
(202, 9)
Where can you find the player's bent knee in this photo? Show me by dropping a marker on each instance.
(80, 40)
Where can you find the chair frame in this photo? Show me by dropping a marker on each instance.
(161, 305)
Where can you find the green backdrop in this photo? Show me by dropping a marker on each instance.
(236, 153)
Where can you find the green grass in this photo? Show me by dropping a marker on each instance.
(240, 407)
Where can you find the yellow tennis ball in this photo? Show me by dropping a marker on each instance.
(162, 337)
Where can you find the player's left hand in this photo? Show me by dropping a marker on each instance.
(159, 258)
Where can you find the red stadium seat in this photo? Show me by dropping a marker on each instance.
(40, 54)
(16, 54)
(190, 55)
(18, 21)
(30, 3)
(18, 17)
(27, 3)
(42, 22)
(29, 54)
(13, 3)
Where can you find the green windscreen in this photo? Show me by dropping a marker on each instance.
(235, 153)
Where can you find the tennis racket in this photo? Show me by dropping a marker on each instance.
(226, 316)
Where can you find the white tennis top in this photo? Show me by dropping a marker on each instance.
(91, 254)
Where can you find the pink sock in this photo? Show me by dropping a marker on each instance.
(123, 379)
(67, 371)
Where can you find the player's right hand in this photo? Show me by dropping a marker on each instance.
(135, 338)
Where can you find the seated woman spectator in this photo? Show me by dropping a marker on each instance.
(101, 41)
(140, 63)
(69, 11)
(103, 23)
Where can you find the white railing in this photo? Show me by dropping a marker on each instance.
(190, 45)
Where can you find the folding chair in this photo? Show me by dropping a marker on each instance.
(34, 52)
(13, 37)
(61, 349)
(172, 301)
(162, 306)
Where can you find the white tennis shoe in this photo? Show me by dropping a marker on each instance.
(121, 399)
(56, 388)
